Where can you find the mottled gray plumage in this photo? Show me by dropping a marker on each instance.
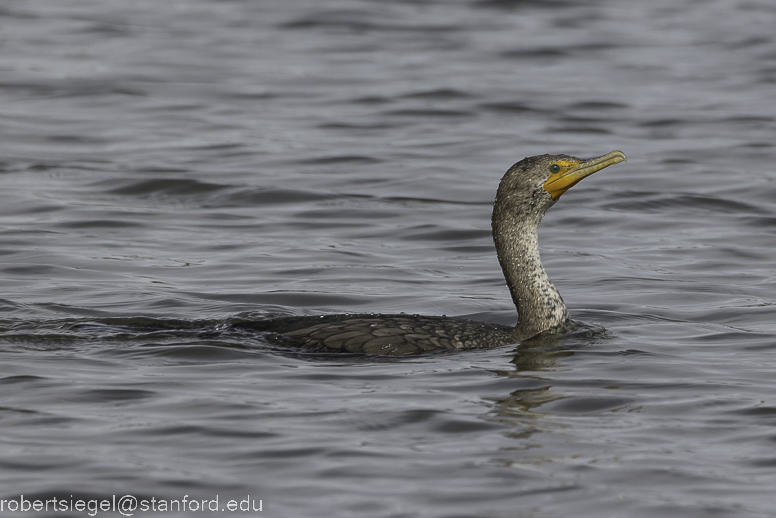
(520, 204)
(384, 334)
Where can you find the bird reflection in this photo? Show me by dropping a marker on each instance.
(531, 358)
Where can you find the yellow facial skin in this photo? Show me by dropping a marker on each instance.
(572, 172)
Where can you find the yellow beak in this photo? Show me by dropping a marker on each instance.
(571, 173)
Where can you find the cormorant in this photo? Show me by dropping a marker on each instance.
(526, 191)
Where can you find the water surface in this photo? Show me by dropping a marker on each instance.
(167, 168)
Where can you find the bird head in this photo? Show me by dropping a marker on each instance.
(534, 184)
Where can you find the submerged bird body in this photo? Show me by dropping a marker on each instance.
(395, 335)
(526, 191)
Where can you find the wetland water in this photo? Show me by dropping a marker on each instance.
(170, 167)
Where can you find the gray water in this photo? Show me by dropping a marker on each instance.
(168, 168)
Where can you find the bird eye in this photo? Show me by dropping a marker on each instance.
(554, 168)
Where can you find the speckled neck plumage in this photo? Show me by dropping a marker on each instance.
(516, 219)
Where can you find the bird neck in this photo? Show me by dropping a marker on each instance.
(539, 304)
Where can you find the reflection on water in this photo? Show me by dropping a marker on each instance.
(531, 359)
